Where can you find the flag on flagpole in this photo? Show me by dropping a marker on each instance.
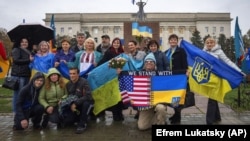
(238, 44)
(53, 41)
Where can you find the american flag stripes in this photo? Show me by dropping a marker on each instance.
(136, 88)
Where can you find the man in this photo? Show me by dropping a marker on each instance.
(80, 38)
(157, 114)
(103, 47)
(78, 110)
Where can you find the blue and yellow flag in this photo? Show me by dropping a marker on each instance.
(104, 83)
(210, 76)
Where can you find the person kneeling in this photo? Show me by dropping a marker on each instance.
(28, 105)
(77, 106)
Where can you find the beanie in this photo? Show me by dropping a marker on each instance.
(150, 57)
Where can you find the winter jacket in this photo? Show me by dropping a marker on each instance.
(179, 59)
(81, 89)
(28, 96)
(52, 96)
(21, 61)
(217, 52)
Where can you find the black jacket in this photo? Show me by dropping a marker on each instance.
(21, 61)
(80, 88)
(179, 59)
(28, 96)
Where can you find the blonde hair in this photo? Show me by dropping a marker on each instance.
(210, 39)
(43, 42)
(89, 39)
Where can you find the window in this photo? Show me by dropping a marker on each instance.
(62, 29)
(181, 29)
(105, 30)
(221, 29)
(206, 29)
(70, 29)
(214, 29)
(95, 30)
(171, 30)
(116, 29)
(84, 29)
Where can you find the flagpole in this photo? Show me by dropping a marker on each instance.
(239, 51)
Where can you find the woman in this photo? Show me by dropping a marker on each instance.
(51, 94)
(114, 50)
(27, 105)
(86, 59)
(43, 59)
(213, 113)
(161, 61)
(177, 60)
(22, 57)
(65, 54)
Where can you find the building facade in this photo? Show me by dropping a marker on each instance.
(118, 24)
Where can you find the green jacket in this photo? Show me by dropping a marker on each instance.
(52, 96)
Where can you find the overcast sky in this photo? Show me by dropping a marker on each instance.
(12, 12)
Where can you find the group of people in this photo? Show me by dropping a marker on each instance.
(46, 96)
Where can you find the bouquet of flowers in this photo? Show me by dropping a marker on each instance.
(118, 62)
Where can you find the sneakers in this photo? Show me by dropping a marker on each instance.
(80, 129)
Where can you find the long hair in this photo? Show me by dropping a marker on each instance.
(120, 49)
(60, 82)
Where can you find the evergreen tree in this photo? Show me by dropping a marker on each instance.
(196, 39)
(222, 43)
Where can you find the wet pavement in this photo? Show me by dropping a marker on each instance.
(107, 130)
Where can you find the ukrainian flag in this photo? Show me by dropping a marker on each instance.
(104, 83)
(135, 29)
(105, 90)
(168, 89)
(210, 76)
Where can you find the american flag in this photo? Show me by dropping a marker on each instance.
(135, 89)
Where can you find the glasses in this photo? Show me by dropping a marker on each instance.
(41, 80)
(149, 62)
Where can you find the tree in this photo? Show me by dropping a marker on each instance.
(196, 39)
(246, 39)
(231, 49)
(222, 43)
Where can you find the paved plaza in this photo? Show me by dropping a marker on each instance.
(108, 130)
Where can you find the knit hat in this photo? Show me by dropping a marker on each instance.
(150, 57)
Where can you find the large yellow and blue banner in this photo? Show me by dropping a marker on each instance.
(210, 76)
(103, 81)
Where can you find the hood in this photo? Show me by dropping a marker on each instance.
(52, 71)
(37, 75)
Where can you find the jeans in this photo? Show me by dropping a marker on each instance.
(22, 82)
